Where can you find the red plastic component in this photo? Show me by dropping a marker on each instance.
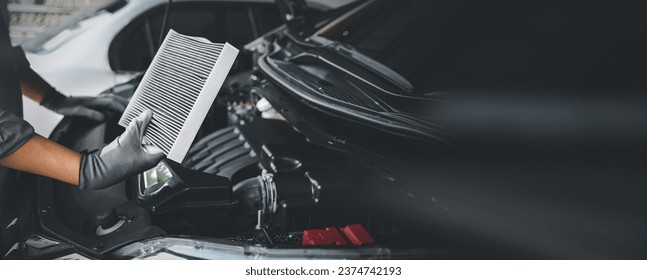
(357, 234)
(319, 237)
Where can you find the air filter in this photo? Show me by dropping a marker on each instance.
(179, 87)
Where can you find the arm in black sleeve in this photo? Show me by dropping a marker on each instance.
(20, 60)
(14, 132)
(15, 54)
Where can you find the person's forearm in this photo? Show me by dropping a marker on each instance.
(47, 158)
(33, 86)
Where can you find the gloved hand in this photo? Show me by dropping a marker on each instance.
(94, 108)
(124, 157)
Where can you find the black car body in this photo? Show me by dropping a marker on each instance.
(447, 129)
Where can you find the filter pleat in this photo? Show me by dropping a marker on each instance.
(186, 71)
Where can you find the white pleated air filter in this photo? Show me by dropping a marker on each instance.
(179, 87)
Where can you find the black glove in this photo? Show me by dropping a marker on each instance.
(124, 157)
(94, 108)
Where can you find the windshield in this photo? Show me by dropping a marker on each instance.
(56, 36)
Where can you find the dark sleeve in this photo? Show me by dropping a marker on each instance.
(20, 60)
(16, 54)
(14, 132)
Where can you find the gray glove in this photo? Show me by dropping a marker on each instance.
(94, 108)
(124, 157)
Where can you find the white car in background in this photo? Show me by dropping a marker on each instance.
(109, 45)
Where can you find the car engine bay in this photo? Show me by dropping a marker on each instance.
(314, 149)
(249, 179)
